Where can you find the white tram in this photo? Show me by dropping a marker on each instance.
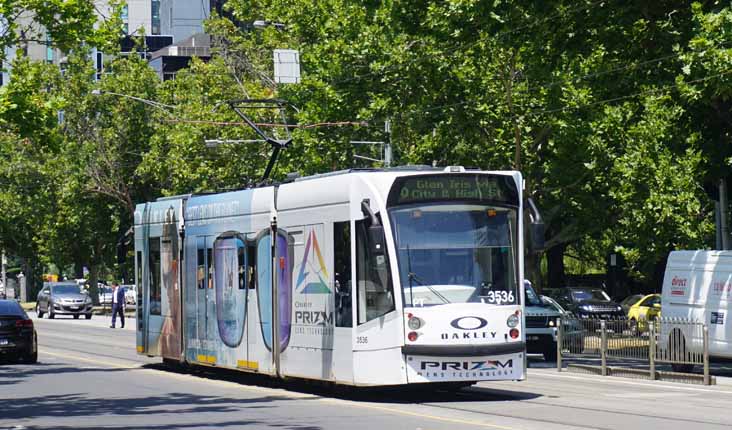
(360, 277)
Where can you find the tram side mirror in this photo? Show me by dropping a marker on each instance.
(377, 239)
(536, 228)
(537, 237)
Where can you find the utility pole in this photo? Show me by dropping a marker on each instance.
(4, 277)
(723, 207)
(387, 144)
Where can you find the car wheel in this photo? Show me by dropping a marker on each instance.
(51, 315)
(32, 356)
(633, 325)
(88, 316)
(39, 312)
(550, 354)
(76, 316)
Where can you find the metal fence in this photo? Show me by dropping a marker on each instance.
(681, 343)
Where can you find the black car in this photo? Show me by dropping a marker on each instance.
(589, 302)
(18, 338)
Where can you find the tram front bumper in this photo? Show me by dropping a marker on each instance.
(443, 363)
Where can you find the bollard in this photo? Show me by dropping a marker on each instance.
(707, 380)
(559, 344)
(603, 347)
(652, 350)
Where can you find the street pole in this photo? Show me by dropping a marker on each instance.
(387, 144)
(723, 206)
(4, 276)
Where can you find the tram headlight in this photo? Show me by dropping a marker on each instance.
(512, 321)
(414, 323)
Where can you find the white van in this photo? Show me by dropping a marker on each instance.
(697, 285)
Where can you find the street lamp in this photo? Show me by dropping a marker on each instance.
(163, 106)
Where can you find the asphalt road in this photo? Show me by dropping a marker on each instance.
(89, 377)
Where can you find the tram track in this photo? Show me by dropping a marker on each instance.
(468, 407)
(574, 408)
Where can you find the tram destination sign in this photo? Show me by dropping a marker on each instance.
(429, 188)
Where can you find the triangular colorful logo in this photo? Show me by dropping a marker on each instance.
(315, 283)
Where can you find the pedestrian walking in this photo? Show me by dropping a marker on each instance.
(118, 304)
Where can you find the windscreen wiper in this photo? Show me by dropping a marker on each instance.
(413, 276)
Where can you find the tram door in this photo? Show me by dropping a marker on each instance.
(205, 300)
(281, 254)
(170, 256)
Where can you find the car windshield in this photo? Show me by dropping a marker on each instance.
(105, 290)
(65, 289)
(553, 304)
(590, 294)
(455, 253)
(532, 299)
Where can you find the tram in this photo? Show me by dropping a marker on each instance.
(359, 277)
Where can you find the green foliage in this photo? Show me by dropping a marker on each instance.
(616, 114)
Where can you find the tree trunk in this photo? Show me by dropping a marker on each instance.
(532, 270)
(78, 269)
(93, 289)
(555, 266)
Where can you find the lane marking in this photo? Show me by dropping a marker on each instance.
(285, 393)
(650, 385)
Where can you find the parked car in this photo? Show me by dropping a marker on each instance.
(105, 295)
(541, 325)
(629, 301)
(589, 302)
(130, 294)
(18, 337)
(63, 298)
(648, 308)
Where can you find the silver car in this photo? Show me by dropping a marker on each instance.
(63, 298)
(105, 295)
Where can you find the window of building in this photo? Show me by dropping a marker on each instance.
(375, 290)
(342, 269)
(155, 14)
(100, 65)
(125, 17)
(154, 296)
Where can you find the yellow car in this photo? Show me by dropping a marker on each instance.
(646, 309)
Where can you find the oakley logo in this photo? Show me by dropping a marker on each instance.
(469, 323)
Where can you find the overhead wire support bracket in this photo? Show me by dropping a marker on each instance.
(277, 144)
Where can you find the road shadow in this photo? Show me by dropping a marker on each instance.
(14, 373)
(188, 425)
(410, 394)
(79, 405)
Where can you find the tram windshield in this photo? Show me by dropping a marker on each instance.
(456, 252)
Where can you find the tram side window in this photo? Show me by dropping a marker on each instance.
(342, 266)
(242, 267)
(209, 266)
(252, 264)
(138, 281)
(155, 276)
(200, 270)
(375, 290)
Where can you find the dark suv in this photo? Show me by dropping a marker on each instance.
(589, 302)
(18, 337)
